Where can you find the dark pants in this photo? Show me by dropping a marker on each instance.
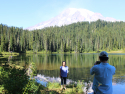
(94, 93)
(63, 79)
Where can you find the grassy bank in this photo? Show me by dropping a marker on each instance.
(111, 51)
(47, 52)
(40, 52)
(55, 88)
(9, 53)
(117, 51)
(59, 52)
(3, 54)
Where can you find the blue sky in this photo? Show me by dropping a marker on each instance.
(25, 13)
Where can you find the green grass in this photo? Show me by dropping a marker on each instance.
(53, 85)
(8, 54)
(91, 52)
(55, 88)
(40, 52)
(49, 52)
(111, 51)
(46, 52)
(117, 51)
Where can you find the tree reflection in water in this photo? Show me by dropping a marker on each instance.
(79, 65)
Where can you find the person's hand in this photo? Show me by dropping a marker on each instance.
(97, 62)
(60, 76)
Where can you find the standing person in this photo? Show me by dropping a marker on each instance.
(63, 74)
(102, 83)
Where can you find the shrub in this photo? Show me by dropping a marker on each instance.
(79, 87)
(16, 81)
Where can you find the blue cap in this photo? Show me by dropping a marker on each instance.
(104, 54)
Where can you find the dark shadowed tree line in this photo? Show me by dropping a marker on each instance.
(79, 37)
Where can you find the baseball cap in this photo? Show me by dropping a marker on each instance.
(104, 54)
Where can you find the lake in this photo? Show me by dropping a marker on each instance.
(79, 66)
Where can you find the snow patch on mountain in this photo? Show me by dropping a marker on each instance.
(71, 15)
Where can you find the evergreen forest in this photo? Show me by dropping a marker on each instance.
(78, 37)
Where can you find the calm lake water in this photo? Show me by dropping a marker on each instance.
(79, 66)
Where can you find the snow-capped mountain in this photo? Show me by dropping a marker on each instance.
(71, 15)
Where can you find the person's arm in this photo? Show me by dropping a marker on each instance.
(97, 62)
(67, 71)
(114, 70)
(60, 73)
(92, 70)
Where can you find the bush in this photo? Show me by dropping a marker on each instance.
(31, 87)
(79, 87)
(33, 68)
(16, 81)
(13, 80)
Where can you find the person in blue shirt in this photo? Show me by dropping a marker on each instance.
(102, 83)
(63, 74)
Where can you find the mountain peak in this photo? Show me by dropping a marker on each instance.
(71, 15)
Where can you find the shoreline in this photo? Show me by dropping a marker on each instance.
(31, 52)
(2, 54)
(87, 88)
(44, 80)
